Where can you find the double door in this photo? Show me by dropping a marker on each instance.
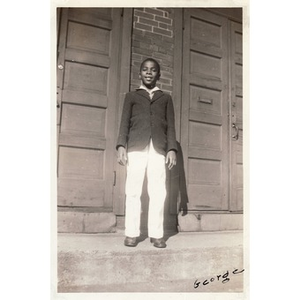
(211, 117)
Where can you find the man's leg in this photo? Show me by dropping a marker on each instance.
(156, 173)
(137, 162)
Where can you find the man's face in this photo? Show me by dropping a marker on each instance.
(149, 74)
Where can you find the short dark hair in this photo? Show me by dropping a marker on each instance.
(154, 61)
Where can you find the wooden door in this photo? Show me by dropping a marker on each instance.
(87, 88)
(205, 109)
(236, 115)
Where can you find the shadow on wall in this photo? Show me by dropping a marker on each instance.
(178, 188)
(177, 192)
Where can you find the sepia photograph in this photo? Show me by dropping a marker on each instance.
(149, 150)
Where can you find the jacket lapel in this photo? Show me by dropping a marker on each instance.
(144, 94)
(157, 95)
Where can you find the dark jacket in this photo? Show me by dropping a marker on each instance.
(143, 118)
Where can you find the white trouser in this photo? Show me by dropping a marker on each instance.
(138, 162)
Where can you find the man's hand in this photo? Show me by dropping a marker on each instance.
(171, 159)
(122, 156)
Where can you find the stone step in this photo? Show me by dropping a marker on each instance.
(78, 221)
(192, 262)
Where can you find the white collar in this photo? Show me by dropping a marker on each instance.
(142, 87)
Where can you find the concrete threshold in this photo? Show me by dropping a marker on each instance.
(192, 262)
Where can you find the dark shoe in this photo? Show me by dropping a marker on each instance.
(130, 242)
(158, 243)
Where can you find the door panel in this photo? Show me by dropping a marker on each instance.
(85, 78)
(204, 124)
(89, 42)
(83, 119)
(236, 106)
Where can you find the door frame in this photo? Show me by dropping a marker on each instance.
(124, 86)
(236, 124)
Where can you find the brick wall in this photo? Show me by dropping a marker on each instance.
(153, 36)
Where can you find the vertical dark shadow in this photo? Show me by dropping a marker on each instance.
(177, 193)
